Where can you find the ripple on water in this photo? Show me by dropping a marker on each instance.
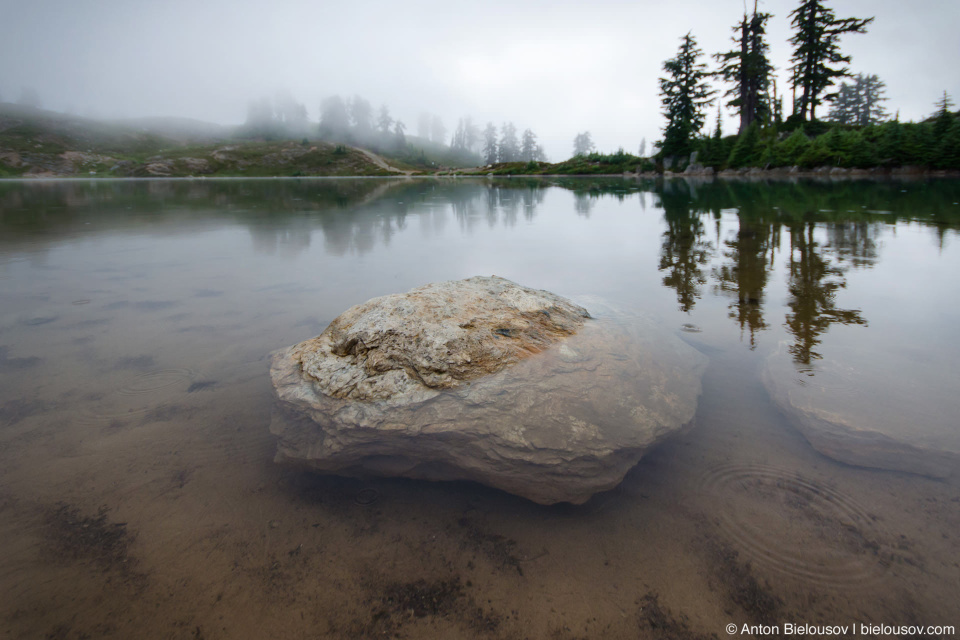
(794, 525)
(155, 381)
(230, 401)
(142, 393)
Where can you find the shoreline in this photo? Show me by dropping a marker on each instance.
(754, 173)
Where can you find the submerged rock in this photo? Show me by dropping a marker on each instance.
(873, 406)
(484, 380)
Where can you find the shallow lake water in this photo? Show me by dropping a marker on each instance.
(139, 498)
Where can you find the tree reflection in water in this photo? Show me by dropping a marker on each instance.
(684, 252)
(831, 227)
(814, 281)
(829, 233)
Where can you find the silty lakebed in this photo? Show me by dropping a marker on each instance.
(485, 380)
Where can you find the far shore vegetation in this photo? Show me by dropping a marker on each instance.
(354, 138)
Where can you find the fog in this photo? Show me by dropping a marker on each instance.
(557, 67)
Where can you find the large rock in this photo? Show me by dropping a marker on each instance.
(873, 405)
(484, 380)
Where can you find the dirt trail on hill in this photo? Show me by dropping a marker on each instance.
(380, 162)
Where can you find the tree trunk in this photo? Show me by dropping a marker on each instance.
(746, 110)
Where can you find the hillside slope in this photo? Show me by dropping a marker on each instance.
(38, 143)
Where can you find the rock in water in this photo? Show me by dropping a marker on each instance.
(873, 405)
(485, 380)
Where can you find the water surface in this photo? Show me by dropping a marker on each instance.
(137, 490)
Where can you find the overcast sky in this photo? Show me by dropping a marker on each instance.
(558, 67)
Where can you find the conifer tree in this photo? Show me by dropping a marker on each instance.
(399, 139)
(361, 115)
(384, 121)
(438, 132)
(843, 109)
(947, 155)
(528, 146)
(490, 144)
(472, 137)
(859, 103)
(816, 47)
(684, 95)
(582, 144)
(943, 119)
(423, 125)
(870, 91)
(749, 70)
(459, 139)
(509, 149)
(944, 104)
(466, 135)
(334, 118)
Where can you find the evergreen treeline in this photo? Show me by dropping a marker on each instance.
(355, 121)
(934, 143)
(855, 134)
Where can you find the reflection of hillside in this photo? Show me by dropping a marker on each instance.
(51, 210)
(290, 239)
(355, 215)
(361, 229)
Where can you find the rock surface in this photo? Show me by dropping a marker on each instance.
(484, 380)
(873, 406)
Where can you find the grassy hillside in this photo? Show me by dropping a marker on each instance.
(38, 143)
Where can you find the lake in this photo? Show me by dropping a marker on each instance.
(816, 485)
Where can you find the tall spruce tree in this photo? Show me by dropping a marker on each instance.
(816, 47)
(749, 70)
(684, 95)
